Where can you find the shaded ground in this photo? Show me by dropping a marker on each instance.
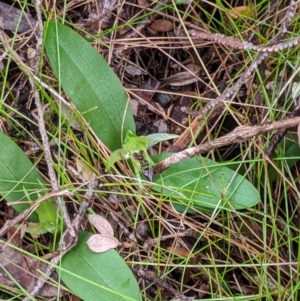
(168, 72)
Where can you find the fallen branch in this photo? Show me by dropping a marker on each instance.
(238, 135)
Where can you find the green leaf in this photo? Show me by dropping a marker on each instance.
(204, 184)
(42, 228)
(135, 148)
(90, 83)
(104, 276)
(20, 182)
(118, 155)
(152, 139)
(135, 143)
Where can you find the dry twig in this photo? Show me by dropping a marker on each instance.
(238, 135)
(151, 277)
(66, 244)
(10, 223)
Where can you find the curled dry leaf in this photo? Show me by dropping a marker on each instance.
(101, 224)
(179, 251)
(182, 78)
(100, 243)
(298, 132)
(161, 25)
(134, 70)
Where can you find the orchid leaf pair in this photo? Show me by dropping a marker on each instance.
(135, 149)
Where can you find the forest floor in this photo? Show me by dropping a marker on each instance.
(222, 75)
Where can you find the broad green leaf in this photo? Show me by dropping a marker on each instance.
(20, 182)
(153, 139)
(104, 276)
(204, 184)
(90, 83)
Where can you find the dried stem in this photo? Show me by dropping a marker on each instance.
(54, 183)
(151, 277)
(238, 135)
(237, 44)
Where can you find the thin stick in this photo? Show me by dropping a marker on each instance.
(10, 223)
(41, 123)
(151, 277)
(66, 243)
(238, 135)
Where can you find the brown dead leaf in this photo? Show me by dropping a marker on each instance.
(162, 25)
(134, 105)
(143, 3)
(100, 243)
(194, 68)
(179, 251)
(152, 31)
(134, 70)
(12, 18)
(86, 172)
(101, 224)
(239, 11)
(16, 234)
(16, 267)
(203, 290)
(182, 78)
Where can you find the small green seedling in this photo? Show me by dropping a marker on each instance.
(135, 149)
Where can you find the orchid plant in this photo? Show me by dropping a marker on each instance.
(135, 149)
